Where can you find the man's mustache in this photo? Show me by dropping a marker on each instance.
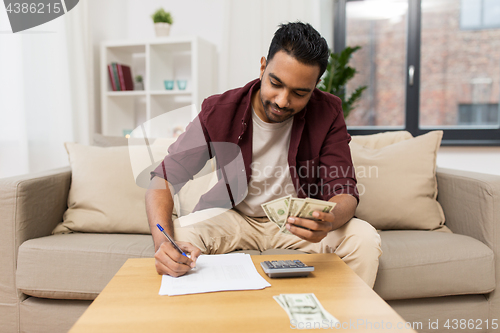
(275, 106)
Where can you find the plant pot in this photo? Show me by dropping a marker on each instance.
(162, 29)
(138, 85)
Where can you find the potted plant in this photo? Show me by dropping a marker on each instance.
(139, 84)
(162, 21)
(336, 76)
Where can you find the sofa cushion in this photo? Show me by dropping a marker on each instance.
(79, 265)
(381, 140)
(418, 264)
(76, 266)
(414, 264)
(397, 183)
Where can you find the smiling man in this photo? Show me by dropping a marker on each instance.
(293, 141)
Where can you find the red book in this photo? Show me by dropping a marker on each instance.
(120, 76)
(111, 78)
(127, 77)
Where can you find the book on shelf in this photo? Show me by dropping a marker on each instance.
(111, 77)
(125, 75)
(120, 77)
(115, 75)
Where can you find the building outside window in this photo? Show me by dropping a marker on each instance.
(480, 14)
(428, 64)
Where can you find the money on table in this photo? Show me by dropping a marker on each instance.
(305, 310)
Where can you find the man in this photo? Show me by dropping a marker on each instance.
(293, 141)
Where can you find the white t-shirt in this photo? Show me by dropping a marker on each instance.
(270, 172)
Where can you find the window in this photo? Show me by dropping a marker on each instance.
(480, 14)
(478, 114)
(427, 66)
(379, 27)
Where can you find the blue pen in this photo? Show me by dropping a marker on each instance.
(171, 240)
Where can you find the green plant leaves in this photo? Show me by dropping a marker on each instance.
(161, 16)
(336, 76)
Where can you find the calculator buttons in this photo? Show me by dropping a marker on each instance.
(286, 268)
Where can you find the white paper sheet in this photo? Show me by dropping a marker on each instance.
(217, 272)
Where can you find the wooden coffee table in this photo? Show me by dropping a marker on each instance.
(130, 302)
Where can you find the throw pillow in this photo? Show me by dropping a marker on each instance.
(114, 141)
(380, 140)
(109, 141)
(397, 183)
(107, 193)
(104, 196)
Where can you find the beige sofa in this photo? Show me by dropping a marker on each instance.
(47, 281)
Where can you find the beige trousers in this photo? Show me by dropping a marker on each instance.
(357, 243)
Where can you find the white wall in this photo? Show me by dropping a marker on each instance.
(43, 92)
(250, 28)
(478, 159)
(191, 17)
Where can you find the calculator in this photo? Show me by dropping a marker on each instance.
(286, 268)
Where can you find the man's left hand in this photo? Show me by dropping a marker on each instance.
(312, 230)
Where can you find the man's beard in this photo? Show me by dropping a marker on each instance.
(276, 118)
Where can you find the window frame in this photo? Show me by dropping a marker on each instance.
(451, 136)
(481, 26)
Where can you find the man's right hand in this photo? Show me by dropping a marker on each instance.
(169, 261)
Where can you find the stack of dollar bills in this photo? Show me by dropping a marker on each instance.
(280, 209)
(305, 311)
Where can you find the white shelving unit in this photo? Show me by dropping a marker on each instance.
(167, 58)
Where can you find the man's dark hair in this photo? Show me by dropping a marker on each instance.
(303, 42)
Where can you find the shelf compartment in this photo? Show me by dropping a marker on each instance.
(133, 56)
(170, 62)
(124, 113)
(176, 112)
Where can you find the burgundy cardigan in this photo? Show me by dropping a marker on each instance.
(319, 157)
